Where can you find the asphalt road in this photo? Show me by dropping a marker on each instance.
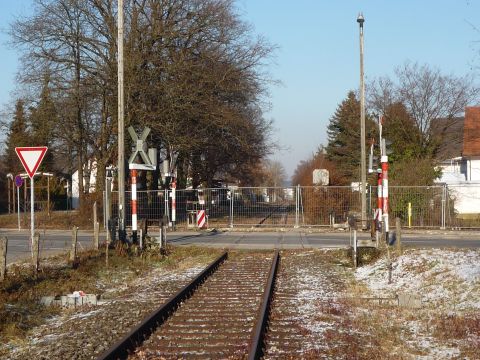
(302, 239)
(51, 242)
(58, 241)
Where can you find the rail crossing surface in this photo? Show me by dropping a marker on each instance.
(58, 241)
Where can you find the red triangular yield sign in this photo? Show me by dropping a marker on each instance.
(31, 158)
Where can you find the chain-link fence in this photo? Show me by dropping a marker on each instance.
(313, 206)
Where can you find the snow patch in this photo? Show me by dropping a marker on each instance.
(449, 278)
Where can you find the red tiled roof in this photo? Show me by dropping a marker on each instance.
(471, 131)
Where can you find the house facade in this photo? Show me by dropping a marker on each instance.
(459, 155)
(89, 182)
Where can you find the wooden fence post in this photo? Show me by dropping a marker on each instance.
(94, 214)
(107, 244)
(73, 251)
(96, 231)
(96, 227)
(398, 226)
(3, 257)
(36, 251)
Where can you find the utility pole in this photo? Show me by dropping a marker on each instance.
(361, 20)
(121, 129)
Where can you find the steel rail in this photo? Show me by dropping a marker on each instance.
(121, 349)
(280, 209)
(258, 337)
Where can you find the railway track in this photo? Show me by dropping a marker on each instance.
(277, 216)
(222, 313)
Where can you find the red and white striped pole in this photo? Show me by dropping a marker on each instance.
(385, 194)
(378, 217)
(174, 203)
(383, 180)
(133, 175)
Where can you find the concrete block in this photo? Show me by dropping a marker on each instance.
(47, 300)
(409, 300)
(366, 243)
(90, 299)
(382, 301)
(72, 301)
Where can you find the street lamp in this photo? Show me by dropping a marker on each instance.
(363, 165)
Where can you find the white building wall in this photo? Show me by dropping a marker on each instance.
(466, 197)
(462, 176)
(452, 171)
(75, 185)
(473, 170)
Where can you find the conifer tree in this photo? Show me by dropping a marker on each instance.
(42, 120)
(17, 136)
(410, 163)
(343, 131)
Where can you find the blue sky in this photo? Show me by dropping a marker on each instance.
(318, 56)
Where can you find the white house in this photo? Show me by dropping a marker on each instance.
(460, 154)
(88, 185)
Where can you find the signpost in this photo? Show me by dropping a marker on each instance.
(149, 158)
(31, 158)
(18, 183)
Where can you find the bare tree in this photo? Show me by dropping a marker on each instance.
(193, 73)
(195, 78)
(275, 174)
(426, 93)
(52, 42)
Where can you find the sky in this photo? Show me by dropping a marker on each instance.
(317, 60)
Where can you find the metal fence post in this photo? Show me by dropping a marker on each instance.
(232, 196)
(167, 210)
(108, 202)
(297, 202)
(104, 202)
(369, 205)
(444, 201)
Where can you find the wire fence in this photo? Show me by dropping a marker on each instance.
(315, 206)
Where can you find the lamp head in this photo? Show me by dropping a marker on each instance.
(360, 19)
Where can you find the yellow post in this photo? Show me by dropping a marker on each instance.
(409, 215)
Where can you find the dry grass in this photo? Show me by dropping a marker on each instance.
(57, 220)
(22, 288)
(405, 333)
(456, 326)
(462, 328)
